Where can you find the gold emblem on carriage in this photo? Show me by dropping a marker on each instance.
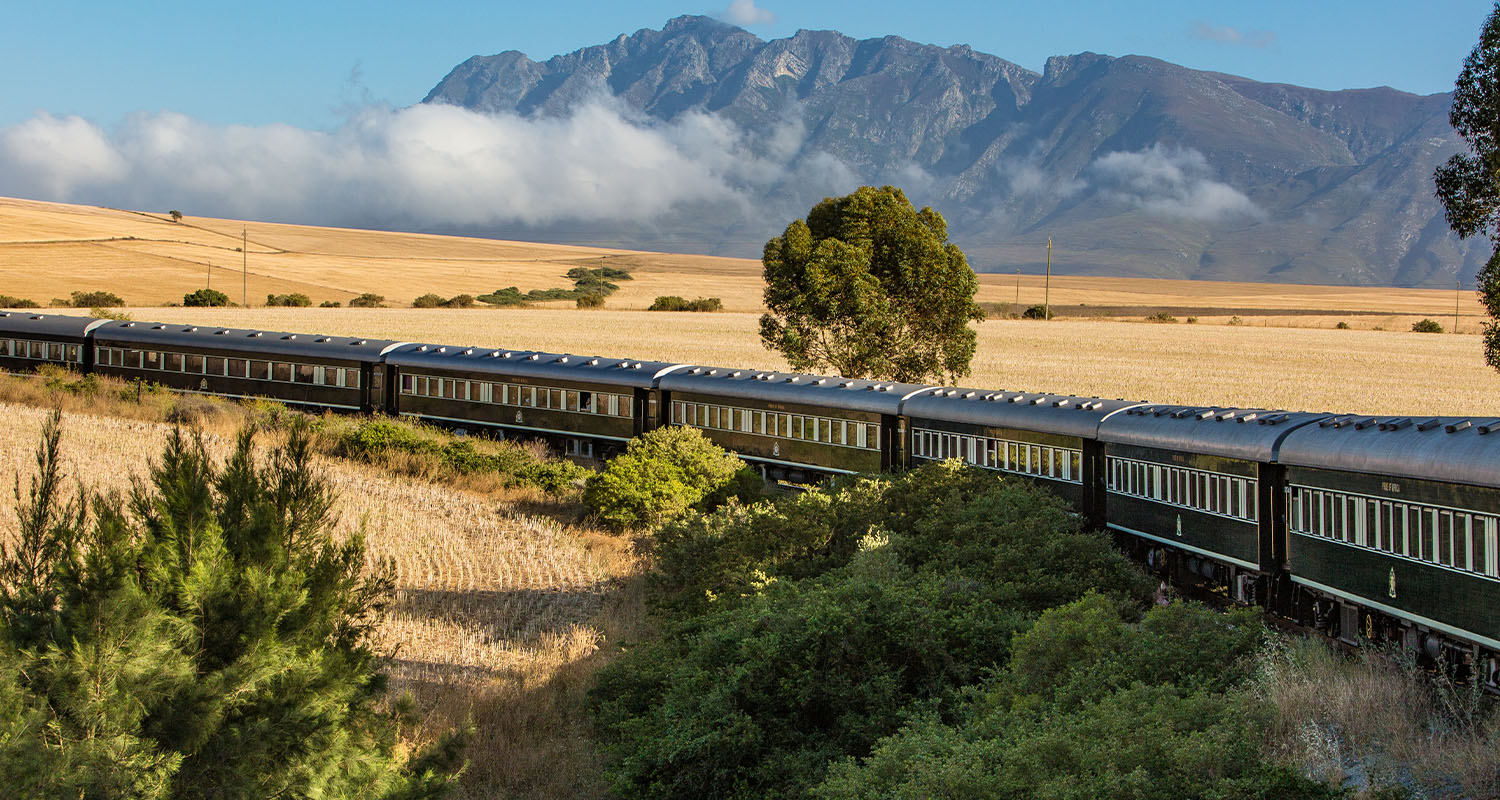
(1392, 585)
(518, 418)
(1179, 526)
(776, 448)
(203, 385)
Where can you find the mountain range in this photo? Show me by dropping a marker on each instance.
(1131, 165)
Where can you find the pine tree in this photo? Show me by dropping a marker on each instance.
(212, 643)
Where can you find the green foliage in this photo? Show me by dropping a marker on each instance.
(807, 629)
(1037, 312)
(370, 439)
(1162, 317)
(868, 286)
(1426, 326)
(330, 304)
(104, 313)
(212, 642)
(599, 273)
(1468, 185)
(95, 298)
(1091, 706)
(1343, 326)
(510, 296)
(6, 301)
(591, 300)
(293, 300)
(459, 301)
(175, 215)
(662, 475)
(672, 302)
(428, 300)
(368, 300)
(206, 297)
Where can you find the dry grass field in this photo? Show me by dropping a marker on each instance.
(48, 250)
(1291, 368)
(498, 615)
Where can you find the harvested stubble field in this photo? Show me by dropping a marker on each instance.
(48, 250)
(1352, 371)
(498, 615)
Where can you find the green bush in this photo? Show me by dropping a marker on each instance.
(206, 297)
(591, 300)
(95, 298)
(368, 300)
(1343, 326)
(293, 300)
(807, 629)
(368, 440)
(428, 300)
(6, 301)
(1037, 312)
(597, 274)
(1161, 316)
(509, 296)
(459, 301)
(662, 475)
(330, 304)
(1426, 326)
(672, 302)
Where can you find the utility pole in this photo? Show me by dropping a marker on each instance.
(1457, 294)
(1047, 293)
(1018, 287)
(244, 268)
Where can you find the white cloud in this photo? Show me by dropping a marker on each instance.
(1026, 179)
(426, 165)
(745, 12)
(1228, 34)
(1177, 184)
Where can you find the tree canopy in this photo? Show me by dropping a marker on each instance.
(1469, 183)
(869, 287)
(208, 636)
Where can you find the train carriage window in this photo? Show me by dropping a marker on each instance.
(408, 384)
(75, 354)
(57, 352)
(713, 416)
(352, 378)
(213, 365)
(236, 367)
(304, 373)
(464, 390)
(1443, 525)
(39, 351)
(193, 364)
(528, 396)
(1492, 547)
(6, 347)
(570, 400)
(281, 371)
(260, 370)
(860, 434)
(747, 419)
(172, 362)
(586, 402)
(1463, 541)
(702, 415)
(872, 437)
(450, 388)
(758, 422)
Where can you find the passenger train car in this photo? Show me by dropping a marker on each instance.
(1367, 528)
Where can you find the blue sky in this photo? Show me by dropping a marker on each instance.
(308, 64)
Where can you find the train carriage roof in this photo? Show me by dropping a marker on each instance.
(1450, 449)
(880, 397)
(501, 363)
(1253, 434)
(53, 327)
(268, 344)
(1028, 411)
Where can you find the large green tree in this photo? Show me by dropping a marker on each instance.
(207, 637)
(1469, 183)
(869, 287)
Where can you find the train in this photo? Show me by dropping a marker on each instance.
(1366, 528)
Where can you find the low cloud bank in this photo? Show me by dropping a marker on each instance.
(423, 165)
(1177, 184)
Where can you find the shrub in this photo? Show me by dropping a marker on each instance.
(1426, 326)
(1161, 316)
(1192, 320)
(597, 274)
(509, 296)
(103, 313)
(330, 304)
(1037, 312)
(370, 440)
(591, 300)
(293, 300)
(206, 297)
(95, 298)
(368, 300)
(1343, 326)
(1235, 320)
(672, 302)
(428, 300)
(431, 300)
(6, 301)
(459, 301)
(661, 475)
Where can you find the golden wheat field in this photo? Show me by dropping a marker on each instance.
(48, 250)
(1310, 369)
(496, 615)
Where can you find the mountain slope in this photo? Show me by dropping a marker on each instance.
(1133, 165)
